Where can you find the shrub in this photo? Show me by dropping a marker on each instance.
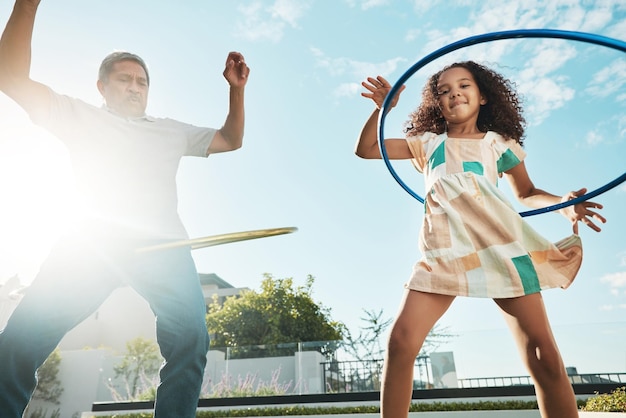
(246, 386)
(299, 410)
(613, 402)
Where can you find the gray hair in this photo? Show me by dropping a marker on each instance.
(107, 64)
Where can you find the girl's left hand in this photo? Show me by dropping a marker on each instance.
(582, 211)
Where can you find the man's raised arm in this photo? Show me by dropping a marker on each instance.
(230, 136)
(15, 56)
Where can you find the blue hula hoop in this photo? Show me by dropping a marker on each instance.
(487, 37)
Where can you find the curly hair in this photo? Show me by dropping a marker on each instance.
(502, 113)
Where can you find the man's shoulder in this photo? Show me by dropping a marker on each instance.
(66, 101)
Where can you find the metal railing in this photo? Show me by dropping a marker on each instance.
(598, 378)
(482, 382)
(364, 376)
(352, 376)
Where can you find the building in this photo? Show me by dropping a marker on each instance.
(122, 317)
(10, 296)
(125, 316)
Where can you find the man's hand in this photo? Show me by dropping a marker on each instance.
(236, 71)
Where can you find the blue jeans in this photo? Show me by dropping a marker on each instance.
(80, 273)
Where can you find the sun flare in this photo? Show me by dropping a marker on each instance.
(36, 191)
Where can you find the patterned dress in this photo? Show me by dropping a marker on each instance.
(473, 242)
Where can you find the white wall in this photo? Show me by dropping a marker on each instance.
(299, 374)
(124, 316)
(80, 374)
(10, 296)
(84, 375)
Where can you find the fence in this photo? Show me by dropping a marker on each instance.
(324, 368)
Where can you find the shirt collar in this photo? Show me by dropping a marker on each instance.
(130, 119)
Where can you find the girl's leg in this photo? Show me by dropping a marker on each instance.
(526, 317)
(418, 314)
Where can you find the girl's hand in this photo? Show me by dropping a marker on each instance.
(581, 211)
(378, 89)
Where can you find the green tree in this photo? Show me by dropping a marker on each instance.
(368, 349)
(137, 370)
(368, 344)
(48, 384)
(48, 387)
(280, 313)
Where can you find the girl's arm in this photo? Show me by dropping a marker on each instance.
(527, 194)
(367, 144)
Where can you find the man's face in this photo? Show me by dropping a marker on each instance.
(126, 89)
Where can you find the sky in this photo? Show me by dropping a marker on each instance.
(357, 228)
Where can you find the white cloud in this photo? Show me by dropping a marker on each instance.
(593, 138)
(353, 68)
(597, 18)
(617, 29)
(572, 18)
(269, 22)
(609, 81)
(621, 124)
(347, 90)
(367, 4)
(549, 56)
(254, 26)
(609, 131)
(617, 286)
(543, 91)
(617, 283)
(412, 34)
(497, 15)
(615, 280)
(609, 308)
(543, 95)
(289, 11)
(542, 88)
(604, 131)
(422, 6)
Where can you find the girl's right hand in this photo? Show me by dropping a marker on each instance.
(582, 211)
(378, 89)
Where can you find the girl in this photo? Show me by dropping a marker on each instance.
(468, 132)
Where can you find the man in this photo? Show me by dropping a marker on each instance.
(125, 164)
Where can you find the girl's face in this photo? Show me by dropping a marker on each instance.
(458, 96)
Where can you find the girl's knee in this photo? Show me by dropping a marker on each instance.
(546, 362)
(403, 343)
